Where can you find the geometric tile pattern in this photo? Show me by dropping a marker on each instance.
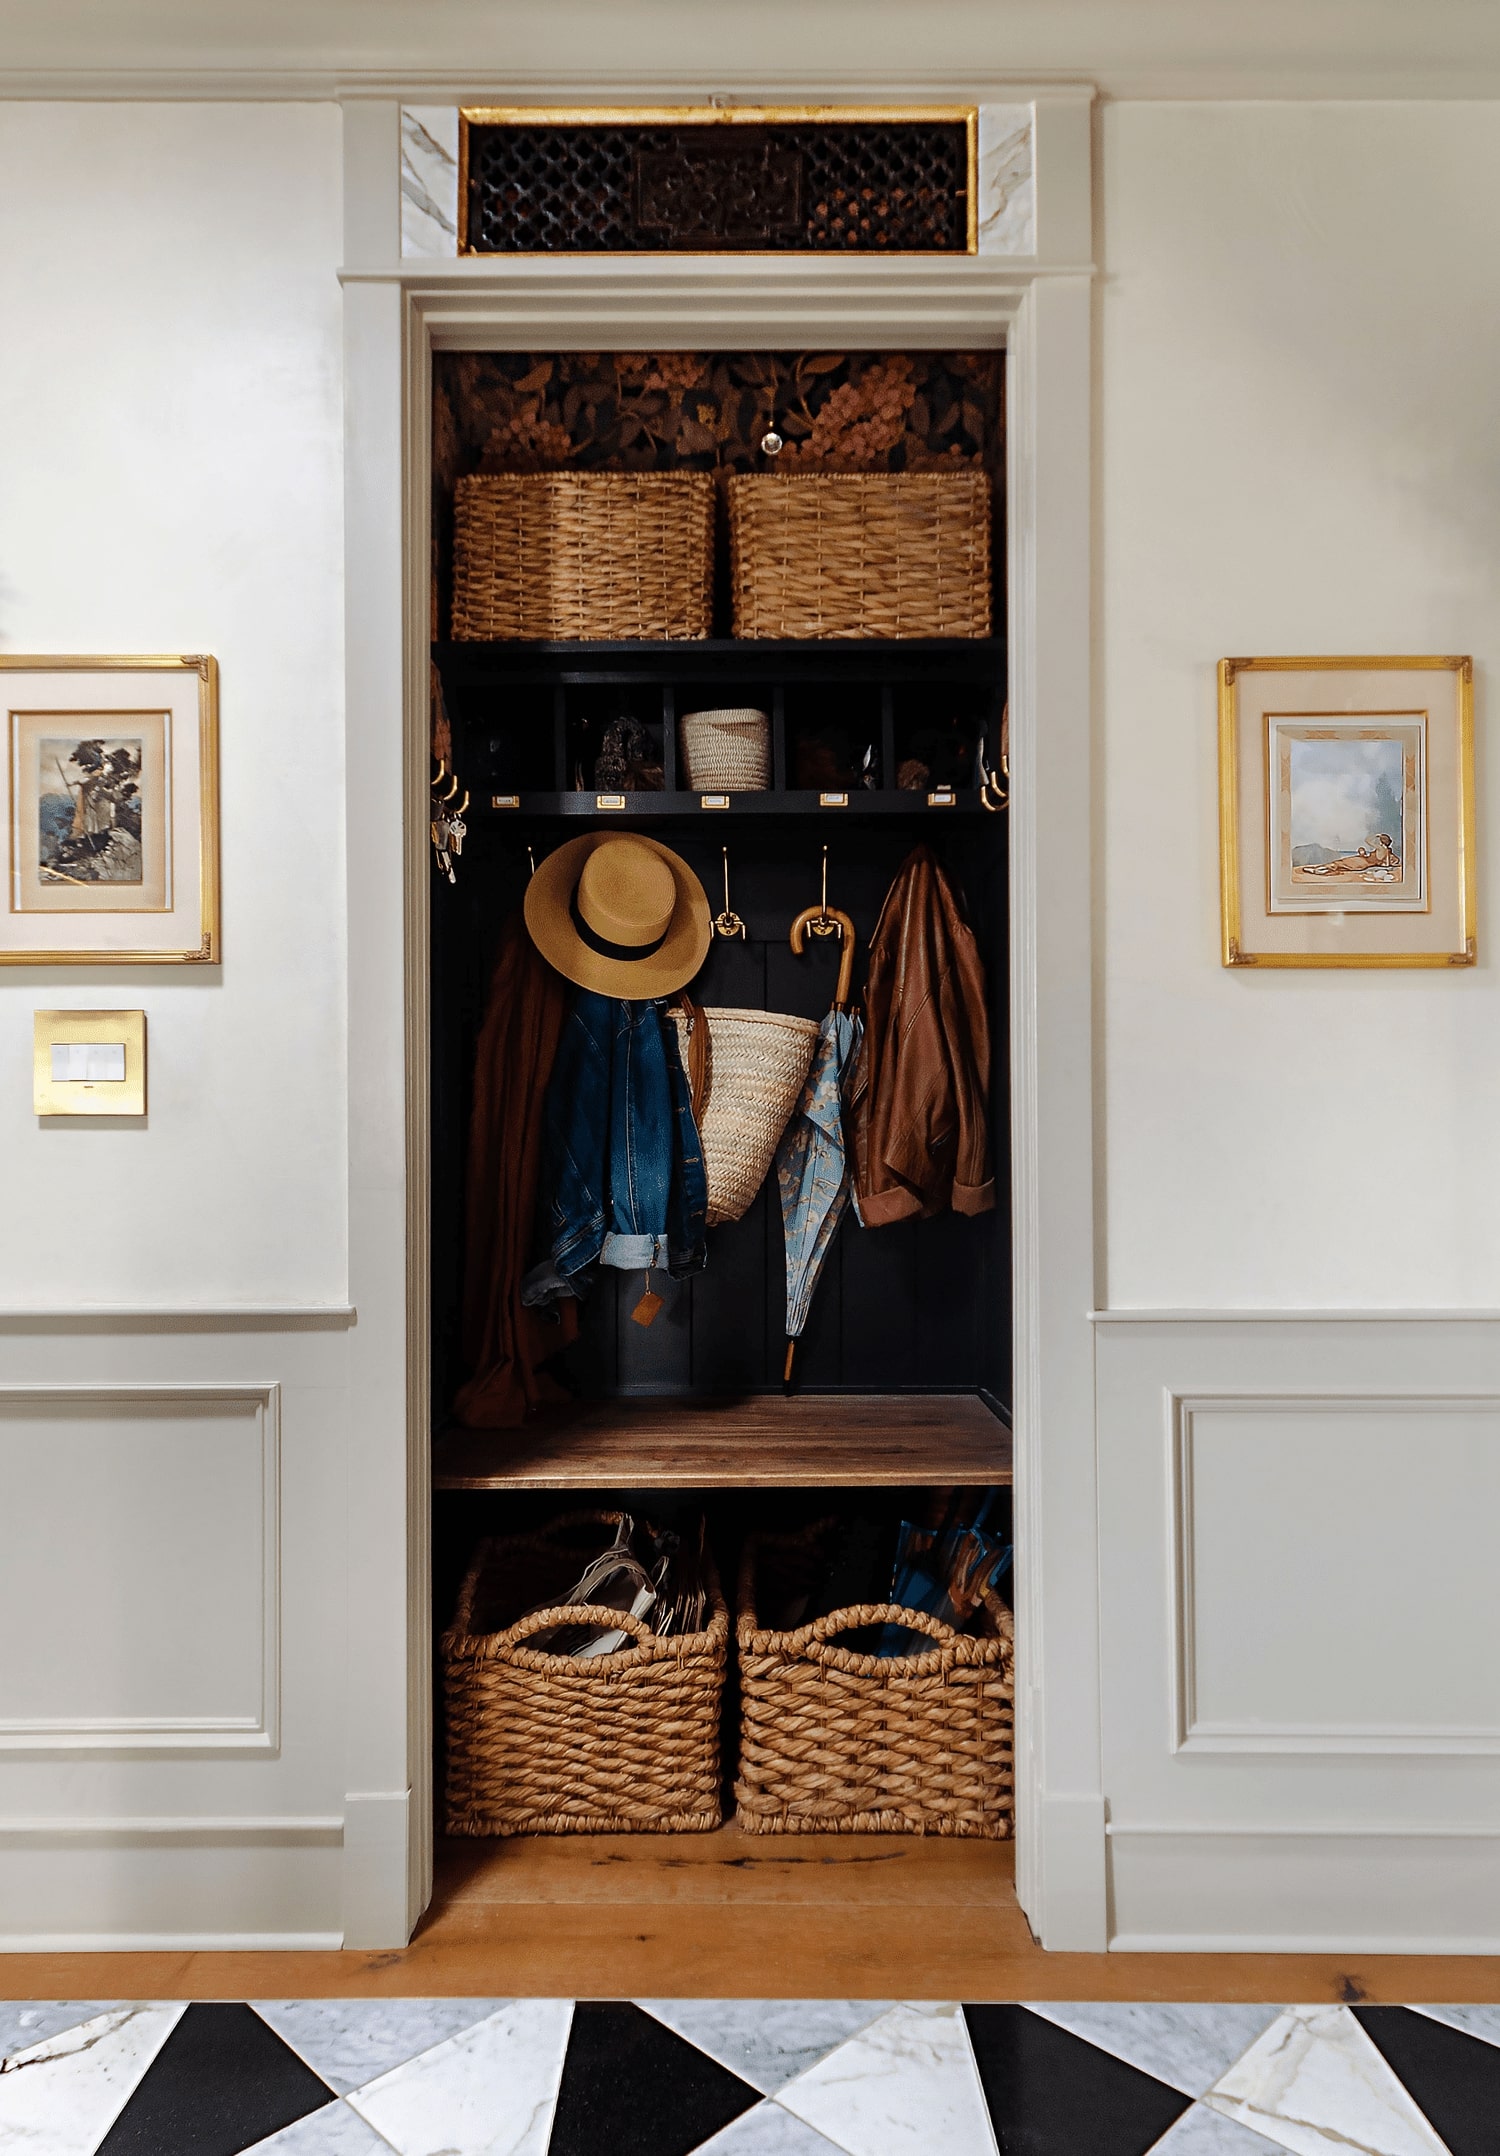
(714, 2077)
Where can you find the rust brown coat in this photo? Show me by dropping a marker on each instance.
(920, 1104)
(504, 1344)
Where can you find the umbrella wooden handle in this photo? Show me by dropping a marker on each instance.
(820, 920)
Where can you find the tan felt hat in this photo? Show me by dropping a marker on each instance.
(620, 914)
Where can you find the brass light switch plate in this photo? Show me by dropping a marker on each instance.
(90, 1063)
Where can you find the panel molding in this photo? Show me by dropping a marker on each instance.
(182, 1735)
(1193, 1732)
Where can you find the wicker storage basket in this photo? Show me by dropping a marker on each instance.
(837, 1742)
(557, 555)
(541, 1744)
(756, 1066)
(726, 751)
(861, 554)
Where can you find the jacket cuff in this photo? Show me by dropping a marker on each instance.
(974, 1197)
(877, 1208)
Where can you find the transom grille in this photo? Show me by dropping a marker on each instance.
(577, 186)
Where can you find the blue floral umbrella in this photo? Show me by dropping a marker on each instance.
(812, 1170)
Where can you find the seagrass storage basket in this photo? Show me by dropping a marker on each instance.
(539, 1743)
(747, 1070)
(562, 555)
(880, 554)
(726, 751)
(838, 1742)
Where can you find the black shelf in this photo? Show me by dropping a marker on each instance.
(526, 716)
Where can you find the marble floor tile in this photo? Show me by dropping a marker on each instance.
(633, 2087)
(905, 2086)
(1201, 2132)
(1052, 2094)
(767, 2042)
(768, 2130)
(222, 2081)
(487, 2092)
(1188, 2047)
(60, 2097)
(24, 2022)
(1480, 2021)
(333, 2131)
(1315, 2084)
(352, 2041)
(1452, 2078)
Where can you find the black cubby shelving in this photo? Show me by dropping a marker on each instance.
(527, 719)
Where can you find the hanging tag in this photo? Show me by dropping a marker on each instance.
(646, 1309)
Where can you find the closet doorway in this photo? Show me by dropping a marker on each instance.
(878, 749)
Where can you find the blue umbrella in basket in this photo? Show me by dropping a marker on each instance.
(811, 1168)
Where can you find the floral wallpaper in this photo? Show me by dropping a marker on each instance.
(708, 411)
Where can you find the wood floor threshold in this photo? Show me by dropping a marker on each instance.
(815, 1917)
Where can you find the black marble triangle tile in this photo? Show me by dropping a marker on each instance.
(630, 2087)
(222, 2081)
(1453, 2078)
(1051, 2094)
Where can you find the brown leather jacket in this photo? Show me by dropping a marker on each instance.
(920, 1105)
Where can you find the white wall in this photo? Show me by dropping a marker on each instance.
(1299, 315)
(171, 410)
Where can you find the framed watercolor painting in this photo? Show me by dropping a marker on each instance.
(1346, 812)
(111, 806)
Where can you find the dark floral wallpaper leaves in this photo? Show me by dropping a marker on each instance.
(707, 411)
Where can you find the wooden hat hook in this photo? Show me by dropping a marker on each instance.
(826, 920)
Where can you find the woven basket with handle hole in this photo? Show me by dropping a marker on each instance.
(539, 1743)
(879, 554)
(589, 555)
(838, 1742)
(748, 1069)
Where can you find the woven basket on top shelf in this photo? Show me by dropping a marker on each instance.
(838, 1742)
(726, 751)
(880, 554)
(542, 1744)
(748, 1069)
(557, 556)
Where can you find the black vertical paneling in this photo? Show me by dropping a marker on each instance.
(912, 1306)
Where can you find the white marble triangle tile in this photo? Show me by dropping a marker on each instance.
(333, 2131)
(1480, 2021)
(61, 2096)
(1186, 2046)
(768, 2130)
(767, 2042)
(24, 2022)
(490, 2091)
(1314, 2083)
(352, 2041)
(1201, 2132)
(905, 2086)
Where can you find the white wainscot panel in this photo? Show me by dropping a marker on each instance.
(138, 1568)
(1335, 1573)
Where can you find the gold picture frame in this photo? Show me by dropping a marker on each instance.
(1316, 756)
(712, 116)
(109, 789)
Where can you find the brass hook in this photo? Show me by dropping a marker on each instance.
(531, 857)
(728, 922)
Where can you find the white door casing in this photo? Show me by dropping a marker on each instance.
(396, 312)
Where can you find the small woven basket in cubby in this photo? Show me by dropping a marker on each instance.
(726, 751)
(557, 556)
(838, 1742)
(542, 1743)
(878, 554)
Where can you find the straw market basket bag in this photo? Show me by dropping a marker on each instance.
(747, 1070)
(880, 554)
(833, 1741)
(592, 555)
(726, 751)
(541, 1743)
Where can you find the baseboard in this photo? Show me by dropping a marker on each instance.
(1313, 1891)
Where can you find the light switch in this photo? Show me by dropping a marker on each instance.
(89, 1063)
(91, 1060)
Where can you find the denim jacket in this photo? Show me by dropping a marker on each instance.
(623, 1180)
